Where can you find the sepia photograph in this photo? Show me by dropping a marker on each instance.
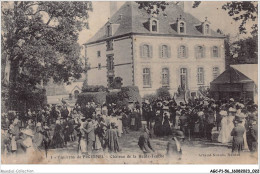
(129, 82)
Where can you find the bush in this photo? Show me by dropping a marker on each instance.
(117, 83)
(97, 97)
(123, 97)
(93, 88)
(150, 97)
(163, 93)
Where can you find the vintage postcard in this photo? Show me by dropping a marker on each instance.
(133, 82)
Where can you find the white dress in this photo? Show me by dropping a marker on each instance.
(223, 134)
(244, 136)
(230, 127)
(120, 125)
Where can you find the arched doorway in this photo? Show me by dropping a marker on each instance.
(76, 93)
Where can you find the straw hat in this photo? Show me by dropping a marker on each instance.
(223, 113)
(27, 132)
(232, 109)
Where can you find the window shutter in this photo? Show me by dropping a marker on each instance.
(151, 51)
(141, 51)
(196, 52)
(186, 52)
(178, 49)
(219, 51)
(160, 51)
(211, 51)
(204, 51)
(169, 51)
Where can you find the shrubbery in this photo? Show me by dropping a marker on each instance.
(123, 97)
(93, 88)
(97, 97)
(162, 93)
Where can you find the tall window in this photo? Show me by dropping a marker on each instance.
(165, 77)
(215, 51)
(108, 30)
(110, 63)
(206, 29)
(200, 52)
(109, 45)
(164, 51)
(98, 54)
(154, 25)
(200, 75)
(183, 77)
(146, 77)
(182, 51)
(146, 51)
(215, 72)
(182, 27)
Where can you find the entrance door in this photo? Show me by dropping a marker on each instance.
(183, 77)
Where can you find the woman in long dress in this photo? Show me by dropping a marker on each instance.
(119, 124)
(230, 122)
(38, 137)
(223, 136)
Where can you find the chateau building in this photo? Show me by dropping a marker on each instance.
(172, 49)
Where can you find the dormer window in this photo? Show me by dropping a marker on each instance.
(154, 25)
(109, 30)
(182, 27)
(206, 27)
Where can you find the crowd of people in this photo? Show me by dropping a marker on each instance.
(99, 127)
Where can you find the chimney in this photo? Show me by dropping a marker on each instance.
(113, 8)
(181, 4)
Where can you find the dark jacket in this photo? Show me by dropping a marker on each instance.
(238, 133)
(90, 131)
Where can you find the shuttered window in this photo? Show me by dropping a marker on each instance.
(199, 51)
(215, 72)
(165, 77)
(146, 51)
(200, 76)
(215, 51)
(146, 77)
(182, 51)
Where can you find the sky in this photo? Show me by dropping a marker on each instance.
(218, 17)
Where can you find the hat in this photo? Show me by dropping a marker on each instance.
(232, 109)
(178, 134)
(165, 108)
(200, 113)
(27, 132)
(38, 124)
(223, 113)
(254, 118)
(239, 119)
(231, 99)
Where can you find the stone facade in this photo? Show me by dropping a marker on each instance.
(151, 52)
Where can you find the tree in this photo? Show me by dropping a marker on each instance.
(243, 11)
(245, 51)
(163, 93)
(40, 42)
(117, 83)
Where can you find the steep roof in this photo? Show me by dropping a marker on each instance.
(232, 75)
(250, 70)
(134, 20)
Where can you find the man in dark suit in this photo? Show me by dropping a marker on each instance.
(237, 133)
(90, 133)
(252, 135)
(174, 151)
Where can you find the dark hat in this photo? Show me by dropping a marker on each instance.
(89, 119)
(178, 134)
(254, 118)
